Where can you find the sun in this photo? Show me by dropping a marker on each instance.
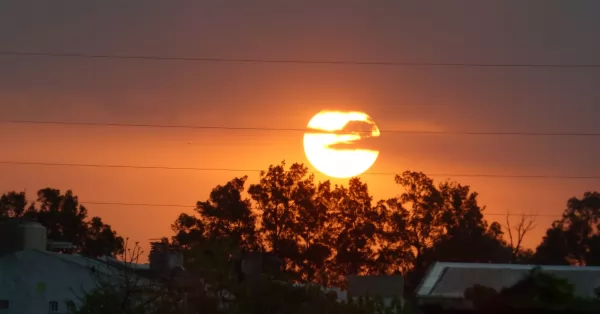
(329, 128)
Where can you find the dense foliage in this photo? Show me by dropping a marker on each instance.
(323, 232)
(65, 219)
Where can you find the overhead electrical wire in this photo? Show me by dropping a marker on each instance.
(464, 175)
(289, 61)
(194, 206)
(296, 61)
(209, 127)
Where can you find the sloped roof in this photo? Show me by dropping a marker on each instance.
(102, 267)
(450, 280)
(28, 255)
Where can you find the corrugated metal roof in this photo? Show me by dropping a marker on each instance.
(456, 280)
(450, 280)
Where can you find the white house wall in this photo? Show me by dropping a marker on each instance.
(31, 279)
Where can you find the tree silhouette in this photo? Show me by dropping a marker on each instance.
(355, 229)
(575, 238)
(467, 238)
(324, 233)
(65, 220)
(394, 253)
(441, 223)
(280, 196)
(101, 240)
(226, 214)
(14, 205)
(524, 226)
(189, 231)
(62, 215)
(423, 222)
(313, 228)
(224, 226)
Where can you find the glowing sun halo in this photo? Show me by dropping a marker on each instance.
(329, 130)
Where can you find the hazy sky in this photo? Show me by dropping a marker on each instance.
(285, 95)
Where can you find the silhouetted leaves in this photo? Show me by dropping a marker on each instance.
(280, 196)
(355, 229)
(101, 240)
(228, 215)
(323, 233)
(188, 231)
(65, 220)
(14, 205)
(574, 239)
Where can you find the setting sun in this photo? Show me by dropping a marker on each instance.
(339, 162)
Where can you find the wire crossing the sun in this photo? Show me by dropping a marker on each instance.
(464, 175)
(298, 61)
(194, 206)
(208, 127)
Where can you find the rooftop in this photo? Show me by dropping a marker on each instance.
(450, 280)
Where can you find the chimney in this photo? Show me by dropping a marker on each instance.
(18, 236)
(33, 236)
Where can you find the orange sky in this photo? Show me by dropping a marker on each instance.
(287, 96)
(233, 149)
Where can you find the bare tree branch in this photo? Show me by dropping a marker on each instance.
(509, 230)
(524, 226)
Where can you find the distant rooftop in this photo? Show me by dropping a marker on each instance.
(450, 280)
(123, 263)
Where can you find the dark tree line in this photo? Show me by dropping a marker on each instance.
(574, 239)
(324, 232)
(65, 219)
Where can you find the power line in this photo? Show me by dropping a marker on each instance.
(139, 204)
(194, 206)
(206, 127)
(464, 175)
(296, 61)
